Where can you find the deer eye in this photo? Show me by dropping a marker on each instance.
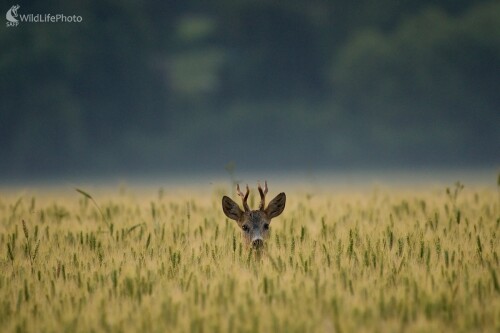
(266, 226)
(245, 228)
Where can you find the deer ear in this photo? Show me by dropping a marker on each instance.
(231, 208)
(276, 206)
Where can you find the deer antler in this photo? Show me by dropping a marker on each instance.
(262, 193)
(244, 197)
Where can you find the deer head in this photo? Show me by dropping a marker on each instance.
(254, 223)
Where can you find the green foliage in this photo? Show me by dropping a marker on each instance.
(417, 85)
(164, 85)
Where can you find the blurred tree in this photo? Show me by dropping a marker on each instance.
(273, 52)
(194, 84)
(427, 88)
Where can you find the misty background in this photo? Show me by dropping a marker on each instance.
(195, 86)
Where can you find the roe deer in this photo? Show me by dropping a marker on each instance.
(254, 223)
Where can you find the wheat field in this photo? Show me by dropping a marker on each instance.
(159, 260)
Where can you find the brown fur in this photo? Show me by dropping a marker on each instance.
(254, 223)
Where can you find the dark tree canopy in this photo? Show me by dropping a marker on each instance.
(192, 85)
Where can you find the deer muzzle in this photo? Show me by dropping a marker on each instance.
(257, 243)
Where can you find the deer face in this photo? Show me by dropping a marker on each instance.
(254, 223)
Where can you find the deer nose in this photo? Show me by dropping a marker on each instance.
(258, 243)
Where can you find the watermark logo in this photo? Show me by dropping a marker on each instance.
(13, 18)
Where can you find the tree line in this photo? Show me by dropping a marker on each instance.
(194, 85)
